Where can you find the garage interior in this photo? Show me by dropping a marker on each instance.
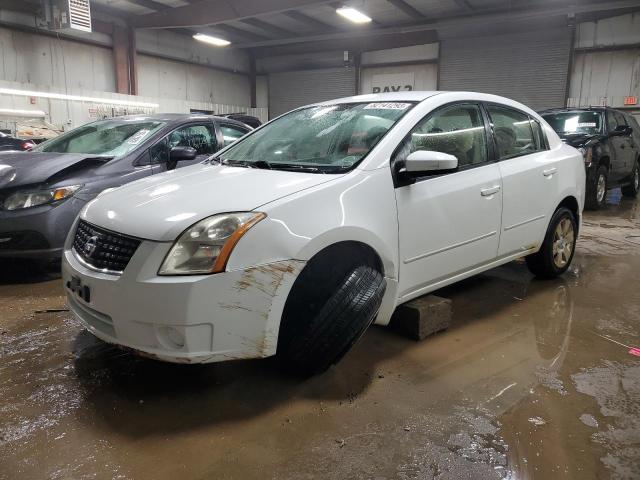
(532, 379)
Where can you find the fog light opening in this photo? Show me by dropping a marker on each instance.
(171, 337)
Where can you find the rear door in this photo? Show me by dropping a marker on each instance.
(529, 178)
(617, 147)
(626, 145)
(448, 223)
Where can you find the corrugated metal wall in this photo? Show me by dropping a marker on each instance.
(530, 67)
(288, 90)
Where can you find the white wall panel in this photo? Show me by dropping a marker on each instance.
(615, 31)
(42, 60)
(158, 77)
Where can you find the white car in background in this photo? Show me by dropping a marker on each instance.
(293, 240)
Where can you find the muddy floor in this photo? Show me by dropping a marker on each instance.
(533, 380)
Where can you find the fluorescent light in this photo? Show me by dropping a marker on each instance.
(78, 98)
(22, 113)
(218, 42)
(352, 14)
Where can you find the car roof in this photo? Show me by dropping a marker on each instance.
(175, 117)
(406, 96)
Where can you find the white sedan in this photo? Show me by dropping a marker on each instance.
(297, 237)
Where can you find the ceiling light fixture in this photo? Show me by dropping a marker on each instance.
(218, 42)
(353, 15)
(21, 113)
(78, 98)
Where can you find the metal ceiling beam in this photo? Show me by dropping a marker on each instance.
(464, 5)
(210, 12)
(238, 32)
(267, 27)
(150, 4)
(309, 21)
(458, 22)
(405, 8)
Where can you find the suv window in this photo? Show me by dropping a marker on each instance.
(457, 129)
(612, 122)
(200, 137)
(231, 133)
(513, 132)
(620, 120)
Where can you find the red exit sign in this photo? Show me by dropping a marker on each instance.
(630, 101)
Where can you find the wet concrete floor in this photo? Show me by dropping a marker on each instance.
(533, 380)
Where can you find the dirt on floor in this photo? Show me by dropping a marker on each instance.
(534, 379)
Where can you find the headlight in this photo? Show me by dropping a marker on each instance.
(33, 198)
(206, 246)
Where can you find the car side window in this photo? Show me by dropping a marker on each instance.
(200, 137)
(538, 135)
(512, 131)
(620, 120)
(457, 129)
(231, 133)
(611, 121)
(159, 153)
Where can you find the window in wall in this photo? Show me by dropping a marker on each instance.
(457, 130)
(512, 131)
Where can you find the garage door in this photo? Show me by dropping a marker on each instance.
(288, 90)
(530, 67)
(399, 77)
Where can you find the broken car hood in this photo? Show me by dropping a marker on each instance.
(32, 168)
(162, 206)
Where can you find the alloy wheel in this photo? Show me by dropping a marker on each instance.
(601, 188)
(563, 240)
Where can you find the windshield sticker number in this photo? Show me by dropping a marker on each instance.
(387, 106)
(586, 124)
(137, 137)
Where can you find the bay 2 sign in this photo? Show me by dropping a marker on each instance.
(392, 82)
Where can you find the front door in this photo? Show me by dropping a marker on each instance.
(448, 223)
(200, 136)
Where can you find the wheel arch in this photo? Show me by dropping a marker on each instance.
(573, 205)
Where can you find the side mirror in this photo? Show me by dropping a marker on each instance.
(182, 153)
(430, 161)
(622, 131)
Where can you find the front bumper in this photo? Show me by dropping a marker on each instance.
(183, 319)
(37, 232)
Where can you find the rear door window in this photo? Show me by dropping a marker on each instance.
(513, 132)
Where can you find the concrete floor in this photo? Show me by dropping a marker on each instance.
(534, 380)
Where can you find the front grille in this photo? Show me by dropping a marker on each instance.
(103, 249)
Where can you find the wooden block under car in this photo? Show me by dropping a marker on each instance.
(422, 317)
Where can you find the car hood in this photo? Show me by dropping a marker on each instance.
(579, 139)
(31, 168)
(162, 206)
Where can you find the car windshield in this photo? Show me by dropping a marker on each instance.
(111, 138)
(575, 122)
(323, 139)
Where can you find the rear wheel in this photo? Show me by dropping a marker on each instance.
(558, 247)
(632, 189)
(597, 190)
(308, 346)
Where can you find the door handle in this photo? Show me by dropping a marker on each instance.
(486, 192)
(549, 171)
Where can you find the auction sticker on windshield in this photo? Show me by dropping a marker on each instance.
(137, 137)
(387, 106)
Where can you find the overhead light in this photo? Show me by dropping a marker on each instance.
(78, 98)
(352, 14)
(218, 42)
(22, 113)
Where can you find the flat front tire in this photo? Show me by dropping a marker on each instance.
(309, 346)
(558, 247)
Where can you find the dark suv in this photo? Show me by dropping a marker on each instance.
(610, 143)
